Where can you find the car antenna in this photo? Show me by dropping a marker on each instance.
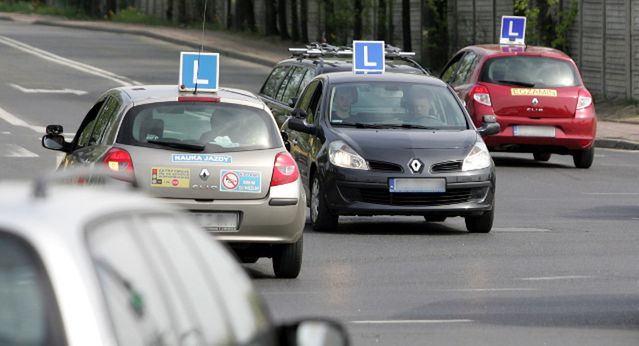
(201, 43)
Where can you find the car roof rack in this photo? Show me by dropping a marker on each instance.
(317, 50)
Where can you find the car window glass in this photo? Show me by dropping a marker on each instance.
(28, 310)
(307, 95)
(219, 127)
(105, 118)
(314, 106)
(530, 71)
(285, 82)
(308, 76)
(191, 277)
(273, 82)
(293, 85)
(138, 303)
(393, 103)
(449, 73)
(248, 315)
(465, 69)
(86, 128)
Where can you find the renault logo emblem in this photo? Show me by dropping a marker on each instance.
(535, 101)
(416, 165)
(205, 174)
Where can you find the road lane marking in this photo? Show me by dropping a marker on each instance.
(14, 150)
(566, 277)
(15, 121)
(124, 81)
(6, 132)
(611, 193)
(411, 321)
(506, 289)
(48, 91)
(520, 229)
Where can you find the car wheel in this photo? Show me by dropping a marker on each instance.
(435, 218)
(287, 259)
(584, 158)
(543, 157)
(480, 224)
(322, 218)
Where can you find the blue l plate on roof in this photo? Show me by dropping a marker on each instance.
(513, 30)
(369, 57)
(199, 70)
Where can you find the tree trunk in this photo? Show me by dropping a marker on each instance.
(295, 24)
(281, 11)
(406, 26)
(329, 22)
(304, 20)
(358, 24)
(270, 12)
(381, 20)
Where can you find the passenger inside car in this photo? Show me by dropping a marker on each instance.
(344, 98)
(224, 130)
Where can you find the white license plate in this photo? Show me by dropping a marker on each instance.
(217, 222)
(417, 185)
(534, 131)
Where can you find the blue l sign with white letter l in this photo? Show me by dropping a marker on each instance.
(199, 70)
(513, 30)
(369, 57)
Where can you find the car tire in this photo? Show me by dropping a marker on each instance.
(542, 157)
(584, 158)
(435, 218)
(322, 218)
(287, 259)
(480, 224)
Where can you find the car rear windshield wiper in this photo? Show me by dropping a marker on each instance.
(513, 82)
(178, 145)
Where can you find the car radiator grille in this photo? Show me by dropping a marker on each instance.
(384, 166)
(451, 166)
(383, 196)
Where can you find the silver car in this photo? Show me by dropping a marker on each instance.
(90, 266)
(218, 155)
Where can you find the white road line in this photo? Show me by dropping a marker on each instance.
(566, 277)
(6, 132)
(520, 229)
(411, 321)
(15, 121)
(124, 81)
(506, 289)
(611, 193)
(48, 91)
(14, 150)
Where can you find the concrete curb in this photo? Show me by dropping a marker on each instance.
(612, 143)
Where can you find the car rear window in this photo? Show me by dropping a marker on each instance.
(217, 127)
(530, 71)
(395, 104)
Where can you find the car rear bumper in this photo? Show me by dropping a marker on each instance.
(272, 220)
(467, 193)
(571, 134)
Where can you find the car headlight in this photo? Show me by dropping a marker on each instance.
(478, 158)
(342, 155)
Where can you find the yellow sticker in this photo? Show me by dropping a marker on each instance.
(533, 92)
(170, 177)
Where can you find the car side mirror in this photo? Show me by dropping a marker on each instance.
(299, 125)
(55, 142)
(313, 332)
(489, 126)
(292, 101)
(299, 113)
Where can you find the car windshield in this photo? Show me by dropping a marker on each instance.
(395, 105)
(201, 127)
(529, 71)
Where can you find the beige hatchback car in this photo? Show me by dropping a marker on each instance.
(94, 266)
(218, 155)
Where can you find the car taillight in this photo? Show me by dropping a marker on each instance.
(480, 94)
(584, 100)
(118, 160)
(284, 170)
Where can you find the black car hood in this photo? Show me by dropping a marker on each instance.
(399, 145)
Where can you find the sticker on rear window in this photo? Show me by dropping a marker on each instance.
(170, 177)
(240, 181)
(203, 158)
(533, 92)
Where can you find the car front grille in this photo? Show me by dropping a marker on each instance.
(384, 197)
(450, 166)
(384, 166)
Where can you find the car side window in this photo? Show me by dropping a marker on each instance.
(293, 85)
(309, 100)
(83, 135)
(449, 72)
(274, 81)
(466, 66)
(105, 118)
(314, 107)
(307, 78)
(29, 313)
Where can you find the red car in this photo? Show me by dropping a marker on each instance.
(537, 95)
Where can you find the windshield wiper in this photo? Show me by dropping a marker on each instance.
(178, 145)
(513, 82)
(413, 126)
(362, 125)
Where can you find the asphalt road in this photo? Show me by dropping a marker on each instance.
(559, 268)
